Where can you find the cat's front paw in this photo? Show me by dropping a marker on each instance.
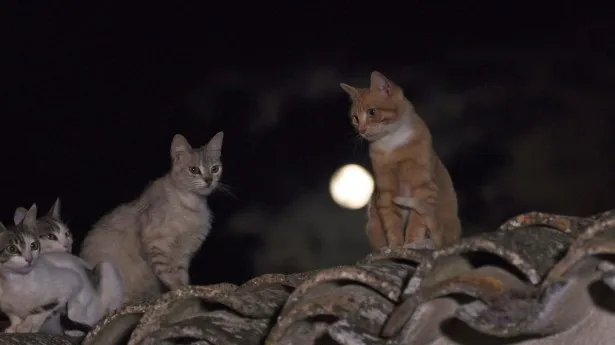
(422, 244)
(24, 327)
(74, 333)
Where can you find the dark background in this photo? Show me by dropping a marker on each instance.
(518, 96)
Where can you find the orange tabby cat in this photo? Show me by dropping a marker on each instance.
(406, 166)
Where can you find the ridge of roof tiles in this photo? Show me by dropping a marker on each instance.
(538, 279)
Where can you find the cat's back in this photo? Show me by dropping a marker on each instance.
(65, 260)
(117, 224)
(114, 238)
(121, 218)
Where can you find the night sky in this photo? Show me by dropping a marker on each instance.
(95, 93)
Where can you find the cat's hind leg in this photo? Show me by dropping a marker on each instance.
(110, 286)
(53, 324)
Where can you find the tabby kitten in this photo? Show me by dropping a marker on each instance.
(102, 288)
(30, 289)
(152, 239)
(85, 300)
(52, 232)
(405, 165)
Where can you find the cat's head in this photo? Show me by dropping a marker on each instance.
(378, 110)
(19, 249)
(197, 170)
(52, 232)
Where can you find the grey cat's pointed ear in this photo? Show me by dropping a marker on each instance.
(19, 215)
(54, 211)
(382, 84)
(2, 227)
(179, 145)
(29, 220)
(350, 90)
(215, 143)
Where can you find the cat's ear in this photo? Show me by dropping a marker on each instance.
(2, 227)
(381, 84)
(179, 146)
(351, 91)
(19, 215)
(215, 143)
(54, 211)
(29, 220)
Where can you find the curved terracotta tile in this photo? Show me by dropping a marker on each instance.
(542, 312)
(170, 304)
(597, 238)
(272, 278)
(413, 257)
(385, 277)
(424, 325)
(219, 328)
(532, 250)
(485, 283)
(567, 224)
(357, 303)
(116, 327)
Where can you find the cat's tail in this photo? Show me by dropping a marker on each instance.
(109, 285)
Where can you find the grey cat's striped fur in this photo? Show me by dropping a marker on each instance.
(53, 234)
(152, 239)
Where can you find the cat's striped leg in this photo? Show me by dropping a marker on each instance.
(172, 273)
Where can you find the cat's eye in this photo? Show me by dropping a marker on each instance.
(51, 237)
(34, 245)
(355, 119)
(67, 234)
(214, 169)
(371, 112)
(195, 170)
(12, 249)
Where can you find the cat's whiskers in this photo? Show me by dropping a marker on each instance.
(226, 189)
(358, 141)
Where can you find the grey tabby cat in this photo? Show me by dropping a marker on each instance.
(52, 232)
(152, 239)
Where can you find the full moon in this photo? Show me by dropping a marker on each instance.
(351, 186)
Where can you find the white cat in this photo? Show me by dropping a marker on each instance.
(94, 299)
(31, 288)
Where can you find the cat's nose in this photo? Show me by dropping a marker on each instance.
(208, 180)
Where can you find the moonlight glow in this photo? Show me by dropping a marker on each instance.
(351, 186)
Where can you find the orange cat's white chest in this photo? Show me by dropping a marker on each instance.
(395, 139)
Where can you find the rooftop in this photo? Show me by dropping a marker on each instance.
(537, 279)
